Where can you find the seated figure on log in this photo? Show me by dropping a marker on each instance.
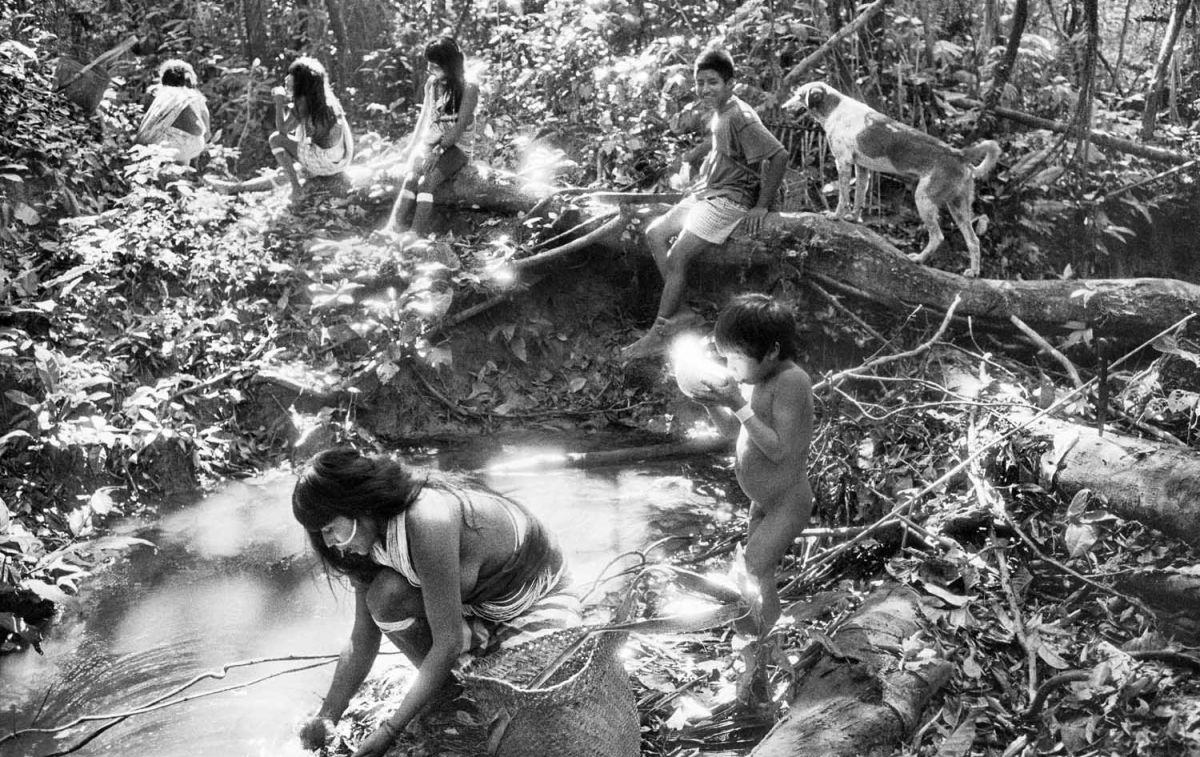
(442, 140)
(177, 118)
(439, 567)
(728, 191)
(757, 337)
(313, 133)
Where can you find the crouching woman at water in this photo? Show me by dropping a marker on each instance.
(440, 568)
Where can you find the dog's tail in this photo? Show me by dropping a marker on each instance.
(989, 151)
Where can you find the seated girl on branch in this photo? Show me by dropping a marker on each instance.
(442, 141)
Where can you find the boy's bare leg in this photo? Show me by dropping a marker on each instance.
(770, 535)
(687, 247)
(661, 231)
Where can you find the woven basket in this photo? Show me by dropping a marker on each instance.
(86, 90)
(585, 709)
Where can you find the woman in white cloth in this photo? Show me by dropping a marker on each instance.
(315, 133)
(177, 118)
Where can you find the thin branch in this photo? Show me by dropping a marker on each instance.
(849, 29)
(871, 364)
(1048, 348)
(831, 554)
(166, 701)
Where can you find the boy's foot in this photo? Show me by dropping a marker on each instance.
(654, 341)
(658, 337)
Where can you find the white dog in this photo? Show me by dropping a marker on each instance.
(862, 136)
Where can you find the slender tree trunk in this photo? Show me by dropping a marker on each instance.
(1116, 83)
(988, 31)
(1087, 77)
(1005, 67)
(344, 60)
(1154, 92)
(254, 16)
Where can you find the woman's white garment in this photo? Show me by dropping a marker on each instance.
(325, 161)
(157, 127)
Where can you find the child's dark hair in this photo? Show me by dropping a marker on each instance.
(309, 81)
(753, 324)
(445, 52)
(177, 73)
(715, 60)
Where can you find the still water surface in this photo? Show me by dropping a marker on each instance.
(230, 579)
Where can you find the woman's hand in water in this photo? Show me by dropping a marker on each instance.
(316, 732)
(376, 745)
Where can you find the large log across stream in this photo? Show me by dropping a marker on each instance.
(855, 259)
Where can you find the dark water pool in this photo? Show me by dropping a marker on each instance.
(229, 579)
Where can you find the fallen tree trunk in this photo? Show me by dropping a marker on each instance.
(1149, 152)
(863, 701)
(1143, 480)
(856, 259)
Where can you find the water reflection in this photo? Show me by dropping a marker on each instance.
(231, 578)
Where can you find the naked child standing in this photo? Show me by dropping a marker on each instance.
(757, 337)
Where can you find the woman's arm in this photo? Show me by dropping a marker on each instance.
(424, 119)
(466, 116)
(434, 531)
(285, 120)
(355, 660)
(352, 667)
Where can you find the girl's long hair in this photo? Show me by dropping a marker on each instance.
(309, 81)
(445, 52)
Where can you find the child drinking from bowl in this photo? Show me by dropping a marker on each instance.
(757, 337)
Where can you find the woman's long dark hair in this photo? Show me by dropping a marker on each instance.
(445, 52)
(342, 481)
(310, 82)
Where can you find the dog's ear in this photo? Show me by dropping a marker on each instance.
(814, 97)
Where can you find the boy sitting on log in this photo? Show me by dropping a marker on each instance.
(728, 191)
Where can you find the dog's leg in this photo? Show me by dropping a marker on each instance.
(928, 210)
(844, 169)
(862, 182)
(960, 211)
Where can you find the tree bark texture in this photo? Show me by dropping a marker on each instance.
(855, 256)
(866, 700)
(254, 15)
(1143, 480)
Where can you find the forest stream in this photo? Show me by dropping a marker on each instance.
(230, 578)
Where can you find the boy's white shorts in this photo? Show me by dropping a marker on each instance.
(712, 219)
